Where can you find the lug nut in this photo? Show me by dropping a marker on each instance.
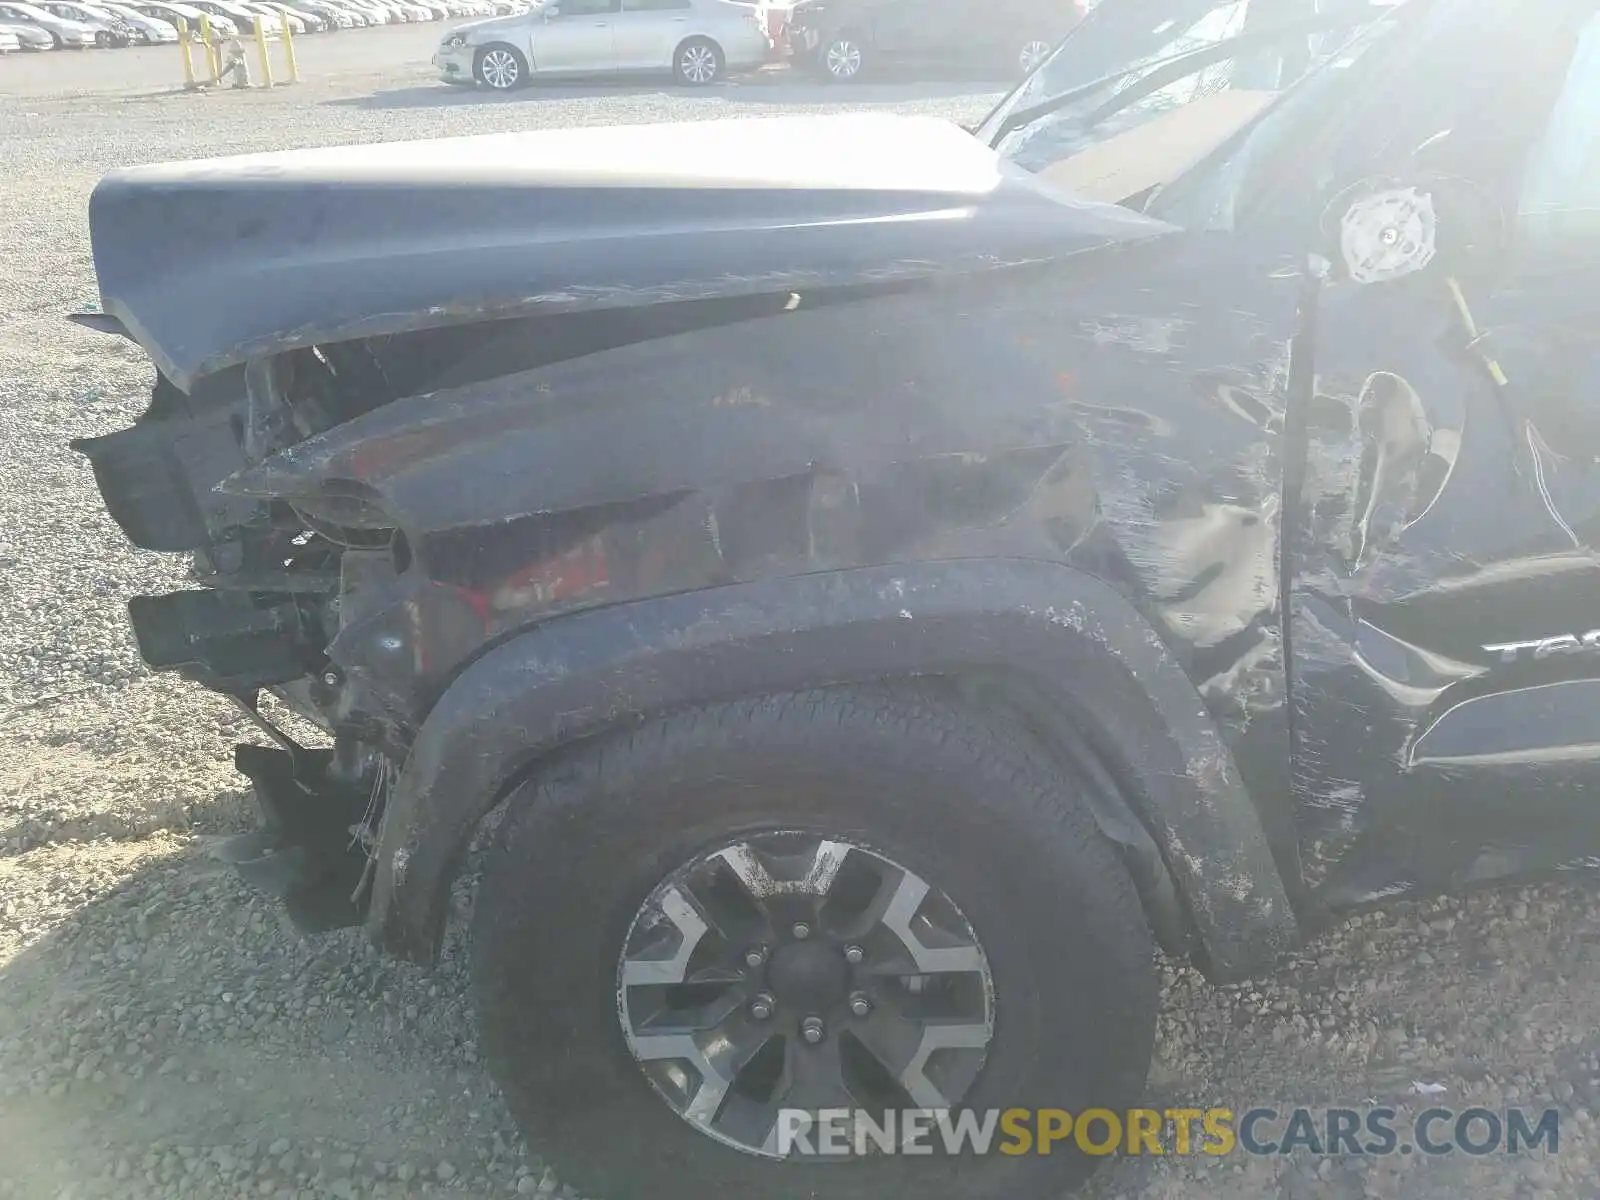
(860, 1005)
(761, 1007)
(811, 1030)
(854, 954)
(331, 678)
(801, 930)
(755, 956)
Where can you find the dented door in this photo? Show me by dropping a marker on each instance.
(1445, 586)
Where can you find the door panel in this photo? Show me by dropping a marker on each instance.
(942, 29)
(897, 27)
(645, 33)
(578, 41)
(998, 29)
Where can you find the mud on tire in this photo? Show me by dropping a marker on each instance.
(974, 810)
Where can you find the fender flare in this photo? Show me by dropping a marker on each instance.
(1070, 634)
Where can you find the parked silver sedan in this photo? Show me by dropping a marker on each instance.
(64, 31)
(698, 41)
(114, 30)
(151, 30)
(28, 37)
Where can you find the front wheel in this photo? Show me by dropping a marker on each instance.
(500, 68)
(698, 63)
(866, 899)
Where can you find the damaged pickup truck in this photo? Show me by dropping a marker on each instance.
(892, 577)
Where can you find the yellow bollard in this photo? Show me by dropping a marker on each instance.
(213, 61)
(261, 49)
(189, 82)
(288, 47)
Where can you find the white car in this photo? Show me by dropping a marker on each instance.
(313, 21)
(406, 12)
(30, 37)
(333, 16)
(269, 14)
(151, 30)
(63, 30)
(363, 15)
(698, 41)
(358, 16)
(171, 10)
(115, 30)
(241, 16)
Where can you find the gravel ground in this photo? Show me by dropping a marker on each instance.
(162, 1033)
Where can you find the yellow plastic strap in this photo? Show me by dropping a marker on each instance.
(1495, 372)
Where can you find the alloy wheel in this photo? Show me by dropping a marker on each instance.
(501, 70)
(698, 64)
(794, 970)
(842, 59)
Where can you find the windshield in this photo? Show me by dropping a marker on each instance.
(1142, 91)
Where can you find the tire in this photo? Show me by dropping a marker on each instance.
(102, 39)
(500, 67)
(841, 57)
(698, 62)
(975, 811)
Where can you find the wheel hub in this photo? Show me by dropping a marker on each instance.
(809, 977)
(794, 970)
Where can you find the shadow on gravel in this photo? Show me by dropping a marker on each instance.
(172, 1036)
(783, 89)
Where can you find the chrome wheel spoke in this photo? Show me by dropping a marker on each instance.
(699, 64)
(671, 964)
(918, 1078)
(814, 1077)
(891, 1039)
(500, 69)
(749, 867)
(843, 59)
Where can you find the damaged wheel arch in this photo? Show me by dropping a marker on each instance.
(1081, 652)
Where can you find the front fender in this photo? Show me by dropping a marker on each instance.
(1069, 634)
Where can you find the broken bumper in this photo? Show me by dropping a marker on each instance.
(454, 66)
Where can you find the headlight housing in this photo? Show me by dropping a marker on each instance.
(455, 41)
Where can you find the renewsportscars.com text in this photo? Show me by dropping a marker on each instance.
(1371, 1130)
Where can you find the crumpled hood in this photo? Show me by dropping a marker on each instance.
(210, 263)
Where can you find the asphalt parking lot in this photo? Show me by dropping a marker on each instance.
(163, 1034)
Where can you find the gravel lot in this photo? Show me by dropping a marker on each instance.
(162, 1033)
